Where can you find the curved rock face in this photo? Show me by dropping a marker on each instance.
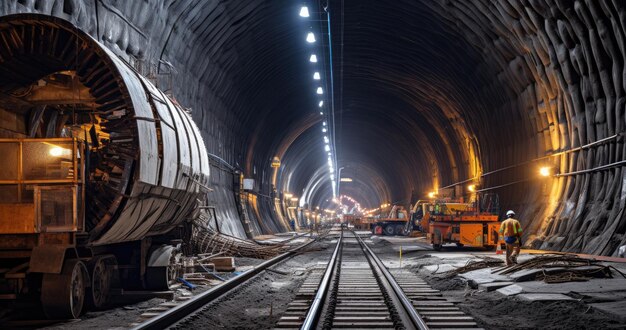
(427, 94)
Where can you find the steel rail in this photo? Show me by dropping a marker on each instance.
(313, 315)
(406, 304)
(181, 311)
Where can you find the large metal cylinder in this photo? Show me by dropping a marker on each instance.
(148, 165)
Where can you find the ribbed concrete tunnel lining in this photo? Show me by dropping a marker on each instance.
(433, 93)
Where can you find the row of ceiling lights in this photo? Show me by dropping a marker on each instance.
(310, 38)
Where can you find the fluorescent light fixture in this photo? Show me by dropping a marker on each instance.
(324, 130)
(320, 90)
(345, 179)
(321, 104)
(327, 147)
(304, 11)
(326, 139)
(324, 123)
(316, 76)
(332, 170)
(310, 38)
(313, 58)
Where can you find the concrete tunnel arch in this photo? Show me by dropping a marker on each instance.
(478, 87)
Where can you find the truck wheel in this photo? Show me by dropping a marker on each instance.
(437, 240)
(399, 230)
(163, 268)
(101, 270)
(389, 230)
(63, 295)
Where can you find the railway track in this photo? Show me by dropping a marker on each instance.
(177, 312)
(358, 291)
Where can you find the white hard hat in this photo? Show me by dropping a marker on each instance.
(510, 213)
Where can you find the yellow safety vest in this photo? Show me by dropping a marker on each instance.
(511, 227)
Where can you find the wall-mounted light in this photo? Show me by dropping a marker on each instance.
(545, 171)
(321, 104)
(471, 188)
(327, 147)
(304, 11)
(313, 58)
(320, 91)
(287, 195)
(432, 194)
(316, 76)
(310, 37)
(294, 199)
(346, 180)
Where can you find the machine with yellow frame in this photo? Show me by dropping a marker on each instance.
(473, 224)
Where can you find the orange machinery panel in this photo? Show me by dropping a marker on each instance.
(492, 233)
(471, 234)
(17, 218)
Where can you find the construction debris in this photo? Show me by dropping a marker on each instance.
(208, 241)
(224, 264)
(473, 265)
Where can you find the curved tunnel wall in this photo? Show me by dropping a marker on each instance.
(438, 91)
(563, 65)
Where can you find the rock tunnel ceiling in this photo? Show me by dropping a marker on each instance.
(427, 94)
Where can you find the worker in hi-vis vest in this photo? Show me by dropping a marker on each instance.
(511, 229)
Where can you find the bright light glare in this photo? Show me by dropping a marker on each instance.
(316, 76)
(326, 139)
(324, 130)
(346, 180)
(58, 152)
(321, 104)
(320, 90)
(327, 147)
(545, 171)
(304, 11)
(321, 113)
(471, 188)
(313, 59)
(432, 194)
(310, 38)
(324, 123)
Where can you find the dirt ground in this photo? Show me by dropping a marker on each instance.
(492, 310)
(121, 314)
(260, 302)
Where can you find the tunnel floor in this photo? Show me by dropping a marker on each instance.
(494, 301)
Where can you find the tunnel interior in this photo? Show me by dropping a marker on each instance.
(426, 96)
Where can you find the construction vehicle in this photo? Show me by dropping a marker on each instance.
(473, 224)
(393, 224)
(100, 176)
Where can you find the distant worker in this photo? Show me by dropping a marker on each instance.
(511, 229)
